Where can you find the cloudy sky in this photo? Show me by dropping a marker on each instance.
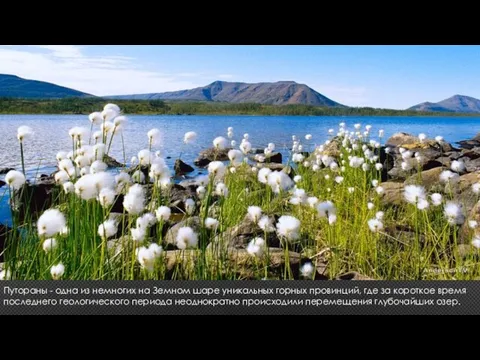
(379, 76)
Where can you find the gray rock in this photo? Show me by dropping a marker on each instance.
(111, 162)
(393, 194)
(182, 168)
(238, 236)
(3, 171)
(401, 138)
(471, 165)
(352, 275)
(274, 158)
(208, 155)
(428, 178)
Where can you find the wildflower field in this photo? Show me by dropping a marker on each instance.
(357, 206)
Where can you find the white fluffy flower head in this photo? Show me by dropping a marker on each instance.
(50, 223)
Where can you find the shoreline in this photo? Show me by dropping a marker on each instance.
(446, 115)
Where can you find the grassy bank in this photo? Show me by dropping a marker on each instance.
(322, 214)
(89, 105)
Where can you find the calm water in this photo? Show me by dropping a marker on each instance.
(51, 134)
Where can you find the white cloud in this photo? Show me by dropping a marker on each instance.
(67, 65)
(355, 96)
(225, 76)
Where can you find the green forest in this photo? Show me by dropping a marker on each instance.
(88, 105)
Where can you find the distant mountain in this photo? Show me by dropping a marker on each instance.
(16, 87)
(456, 103)
(278, 93)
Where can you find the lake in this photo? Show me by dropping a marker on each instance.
(51, 134)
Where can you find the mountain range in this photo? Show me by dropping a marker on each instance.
(276, 93)
(17, 87)
(456, 103)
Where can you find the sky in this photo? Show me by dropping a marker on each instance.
(393, 76)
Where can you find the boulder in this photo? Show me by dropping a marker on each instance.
(393, 193)
(428, 178)
(333, 148)
(352, 275)
(454, 155)
(401, 138)
(471, 165)
(3, 171)
(182, 168)
(32, 200)
(465, 234)
(111, 162)
(238, 236)
(208, 155)
(274, 158)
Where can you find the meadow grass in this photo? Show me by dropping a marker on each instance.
(332, 214)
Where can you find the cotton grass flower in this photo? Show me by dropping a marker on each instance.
(189, 137)
(95, 118)
(356, 162)
(350, 190)
(50, 223)
(379, 215)
(106, 197)
(299, 197)
(439, 139)
(422, 204)
(220, 143)
(422, 137)
(163, 213)
(186, 238)
(312, 201)
(326, 208)
(49, 245)
(263, 174)
(375, 225)
(221, 190)
(138, 177)
(146, 221)
(211, 223)
(288, 227)
(245, 146)
(98, 167)
(235, 156)
(453, 213)
(217, 169)
(458, 166)
(448, 176)
(201, 191)
(5, 275)
(472, 224)
(307, 270)
(107, 229)
(154, 137)
(370, 206)
(254, 213)
(148, 256)
(24, 133)
(436, 199)
(279, 181)
(476, 242)
(68, 187)
(298, 158)
(265, 223)
(413, 193)
(189, 206)
(476, 188)
(297, 178)
(57, 271)
(256, 247)
(15, 179)
(138, 234)
(134, 201)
